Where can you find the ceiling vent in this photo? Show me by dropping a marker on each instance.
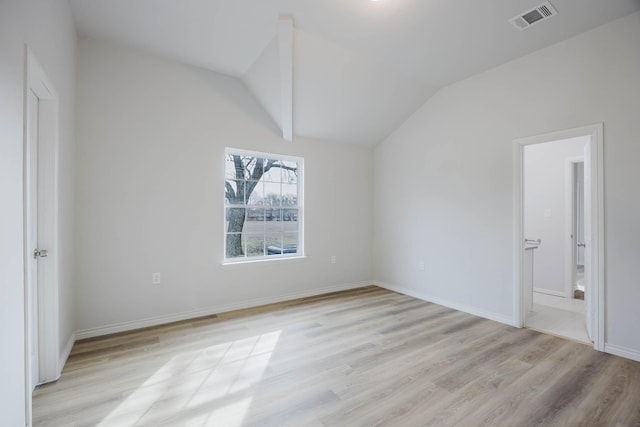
(535, 15)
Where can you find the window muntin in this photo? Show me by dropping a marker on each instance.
(263, 206)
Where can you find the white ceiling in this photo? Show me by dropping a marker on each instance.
(360, 67)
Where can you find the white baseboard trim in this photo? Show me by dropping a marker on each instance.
(176, 317)
(548, 292)
(66, 351)
(622, 352)
(460, 307)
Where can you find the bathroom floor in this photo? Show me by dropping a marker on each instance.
(559, 316)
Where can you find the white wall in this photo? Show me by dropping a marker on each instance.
(545, 209)
(47, 27)
(11, 245)
(443, 180)
(151, 138)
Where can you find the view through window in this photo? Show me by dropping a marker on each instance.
(263, 205)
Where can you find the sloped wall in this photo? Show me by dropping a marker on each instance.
(151, 139)
(443, 188)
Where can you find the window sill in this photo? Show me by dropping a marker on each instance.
(291, 259)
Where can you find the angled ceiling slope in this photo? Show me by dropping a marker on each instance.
(360, 68)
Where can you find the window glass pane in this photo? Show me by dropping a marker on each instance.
(254, 244)
(229, 168)
(255, 168)
(234, 220)
(272, 194)
(273, 216)
(290, 220)
(249, 187)
(289, 195)
(273, 174)
(289, 172)
(273, 242)
(290, 243)
(255, 193)
(234, 245)
(235, 192)
(230, 191)
(247, 165)
(255, 218)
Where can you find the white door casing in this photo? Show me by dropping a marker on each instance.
(527, 282)
(596, 234)
(588, 241)
(31, 238)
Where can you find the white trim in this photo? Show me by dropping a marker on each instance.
(285, 48)
(285, 157)
(295, 259)
(550, 292)
(262, 259)
(518, 236)
(597, 224)
(160, 320)
(66, 351)
(597, 221)
(622, 352)
(436, 300)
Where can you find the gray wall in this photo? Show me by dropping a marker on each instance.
(47, 27)
(151, 139)
(449, 168)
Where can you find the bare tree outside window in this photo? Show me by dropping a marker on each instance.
(262, 195)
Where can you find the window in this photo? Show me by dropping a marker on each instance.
(263, 206)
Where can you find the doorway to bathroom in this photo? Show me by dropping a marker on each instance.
(558, 205)
(575, 219)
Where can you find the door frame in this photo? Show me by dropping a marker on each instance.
(36, 80)
(570, 224)
(597, 305)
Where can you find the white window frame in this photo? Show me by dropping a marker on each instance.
(300, 206)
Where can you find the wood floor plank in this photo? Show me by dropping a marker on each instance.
(365, 357)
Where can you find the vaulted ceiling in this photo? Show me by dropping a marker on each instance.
(360, 67)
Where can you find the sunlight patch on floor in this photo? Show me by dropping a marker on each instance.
(207, 386)
(230, 415)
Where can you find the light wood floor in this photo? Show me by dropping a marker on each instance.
(368, 357)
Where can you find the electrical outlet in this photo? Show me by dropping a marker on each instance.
(155, 278)
(334, 260)
(421, 266)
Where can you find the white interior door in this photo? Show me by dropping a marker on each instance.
(41, 224)
(42, 344)
(31, 229)
(588, 249)
(527, 281)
